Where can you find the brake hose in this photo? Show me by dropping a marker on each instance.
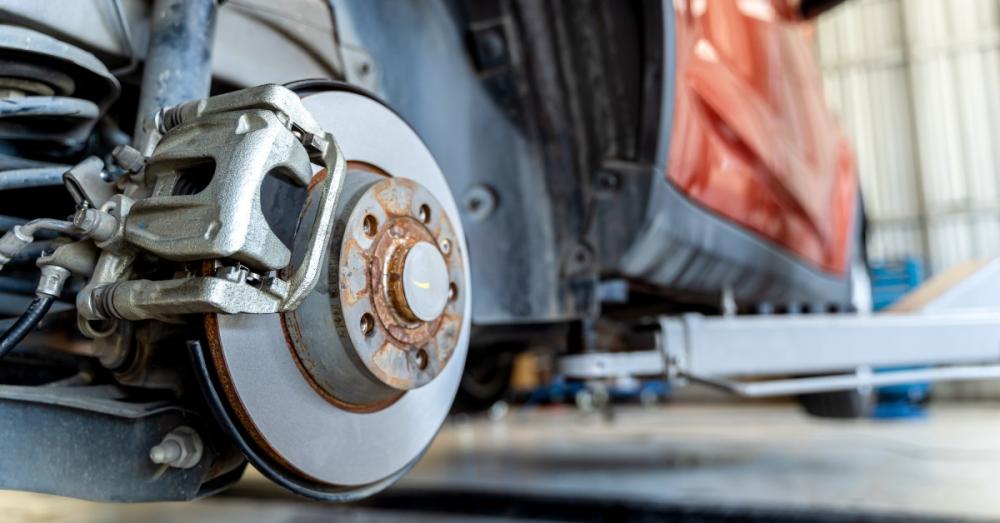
(53, 278)
(50, 285)
(26, 323)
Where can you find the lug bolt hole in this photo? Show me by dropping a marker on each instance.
(445, 247)
(452, 292)
(367, 324)
(425, 213)
(422, 359)
(370, 225)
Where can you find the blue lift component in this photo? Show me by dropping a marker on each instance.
(561, 391)
(891, 280)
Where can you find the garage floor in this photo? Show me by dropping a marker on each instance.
(687, 462)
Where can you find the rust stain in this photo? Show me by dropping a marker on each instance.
(316, 179)
(233, 399)
(383, 280)
(292, 336)
(354, 165)
(345, 274)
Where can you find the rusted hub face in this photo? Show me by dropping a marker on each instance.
(392, 293)
(395, 271)
(388, 257)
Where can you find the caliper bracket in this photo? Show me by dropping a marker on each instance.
(229, 144)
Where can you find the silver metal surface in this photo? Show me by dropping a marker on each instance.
(31, 177)
(718, 351)
(86, 184)
(821, 343)
(601, 365)
(52, 91)
(307, 273)
(315, 438)
(864, 379)
(79, 258)
(12, 243)
(97, 225)
(204, 181)
(128, 158)
(181, 448)
(19, 237)
(270, 55)
(226, 149)
(59, 117)
(51, 282)
(166, 299)
(979, 291)
(33, 227)
(423, 70)
(178, 65)
(425, 281)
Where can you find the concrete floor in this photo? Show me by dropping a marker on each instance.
(740, 457)
(772, 455)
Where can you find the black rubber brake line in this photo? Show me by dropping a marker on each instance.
(25, 324)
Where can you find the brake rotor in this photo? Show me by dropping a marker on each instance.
(346, 392)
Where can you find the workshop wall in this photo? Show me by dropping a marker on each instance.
(917, 84)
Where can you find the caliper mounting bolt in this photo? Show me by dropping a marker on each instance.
(95, 224)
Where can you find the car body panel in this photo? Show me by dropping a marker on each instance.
(753, 139)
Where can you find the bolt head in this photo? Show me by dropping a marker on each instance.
(128, 158)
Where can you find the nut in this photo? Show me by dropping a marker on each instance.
(182, 448)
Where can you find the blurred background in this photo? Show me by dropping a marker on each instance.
(916, 84)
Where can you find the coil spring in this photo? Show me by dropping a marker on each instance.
(35, 109)
(27, 115)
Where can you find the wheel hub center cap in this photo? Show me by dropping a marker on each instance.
(425, 282)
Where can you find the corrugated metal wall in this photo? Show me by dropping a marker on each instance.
(917, 84)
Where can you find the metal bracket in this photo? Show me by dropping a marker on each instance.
(244, 136)
(836, 351)
(861, 379)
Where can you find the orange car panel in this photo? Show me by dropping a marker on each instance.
(753, 139)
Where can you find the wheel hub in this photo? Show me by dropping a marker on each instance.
(393, 303)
